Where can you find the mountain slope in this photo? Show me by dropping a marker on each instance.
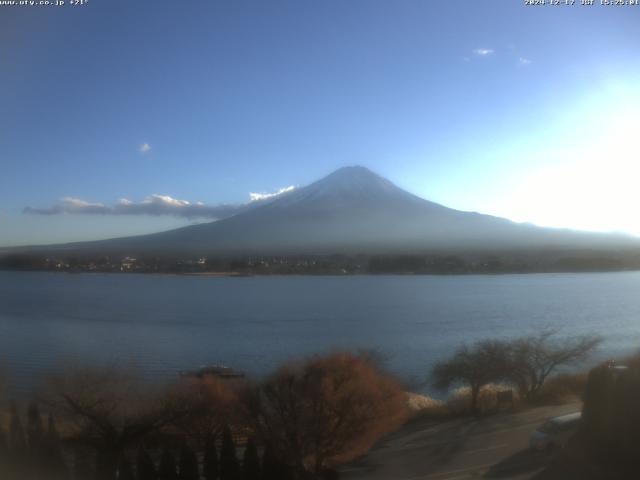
(353, 210)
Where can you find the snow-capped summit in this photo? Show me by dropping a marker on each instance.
(344, 188)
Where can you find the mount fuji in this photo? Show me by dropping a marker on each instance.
(352, 210)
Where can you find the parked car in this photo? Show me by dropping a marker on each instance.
(555, 432)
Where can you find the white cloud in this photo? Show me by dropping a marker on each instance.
(524, 61)
(155, 205)
(166, 205)
(72, 202)
(144, 148)
(484, 52)
(257, 196)
(70, 205)
(165, 200)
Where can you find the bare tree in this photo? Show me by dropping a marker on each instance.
(475, 366)
(326, 409)
(111, 410)
(533, 358)
(210, 403)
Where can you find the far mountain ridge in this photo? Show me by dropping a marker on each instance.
(352, 210)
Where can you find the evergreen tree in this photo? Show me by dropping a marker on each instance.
(52, 458)
(188, 465)
(210, 463)
(104, 468)
(167, 468)
(273, 468)
(270, 466)
(145, 468)
(125, 469)
(51, 439)
(81, 466)
(18, 453)
(251, 462)
(4, 450)
(229, 466)
(330, 474)
(17, 444)
(35, 429)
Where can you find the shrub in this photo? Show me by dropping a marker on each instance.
(326, 410)
(562, 388)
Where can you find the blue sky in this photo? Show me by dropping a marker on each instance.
(525, 112)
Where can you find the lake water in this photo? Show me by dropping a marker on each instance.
(164, 324)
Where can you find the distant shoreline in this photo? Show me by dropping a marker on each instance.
(434, 263)
(216, 274)
(327, 274)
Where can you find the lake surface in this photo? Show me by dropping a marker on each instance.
(164, 324)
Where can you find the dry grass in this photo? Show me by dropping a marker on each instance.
(562, 388)
(459, 401)
(423, 406)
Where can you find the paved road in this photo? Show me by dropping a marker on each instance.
(490, 447)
